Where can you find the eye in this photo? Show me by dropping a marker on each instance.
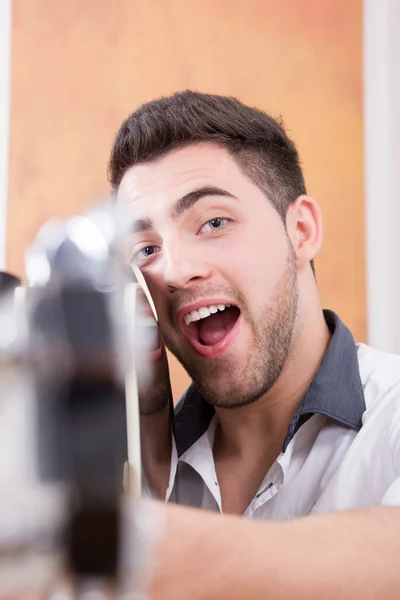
(214, 224)
(145, 253)
(148, 251)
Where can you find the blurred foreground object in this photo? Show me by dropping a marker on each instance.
(8, 282)
(80, 351)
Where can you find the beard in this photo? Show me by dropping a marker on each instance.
(229, 381)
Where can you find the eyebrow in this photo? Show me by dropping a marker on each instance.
(182, 205)
(140, 225)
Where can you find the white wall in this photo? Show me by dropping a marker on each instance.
(382, 170)
(5, 70)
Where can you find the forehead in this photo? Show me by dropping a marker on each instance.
(179, 171)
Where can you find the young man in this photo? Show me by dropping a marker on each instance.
(286, 417)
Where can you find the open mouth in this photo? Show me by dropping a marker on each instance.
(210, 329)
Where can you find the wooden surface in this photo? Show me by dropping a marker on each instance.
(79, 67)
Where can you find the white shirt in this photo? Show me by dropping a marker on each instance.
(345, 455)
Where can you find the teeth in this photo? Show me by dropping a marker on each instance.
(195, 315)
(204, 312)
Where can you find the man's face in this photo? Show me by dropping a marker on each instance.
(220, 268)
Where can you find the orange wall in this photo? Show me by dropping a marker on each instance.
(79, 67)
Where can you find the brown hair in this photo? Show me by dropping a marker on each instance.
(258, 142)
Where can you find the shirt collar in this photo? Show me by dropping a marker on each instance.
(336, 391)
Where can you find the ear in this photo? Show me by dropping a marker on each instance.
(304, 227)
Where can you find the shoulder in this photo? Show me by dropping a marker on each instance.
(380, 377)
(378, 369)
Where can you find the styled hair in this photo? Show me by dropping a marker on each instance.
(256, 141)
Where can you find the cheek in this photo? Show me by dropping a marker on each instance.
(257, 272)
(257, 259)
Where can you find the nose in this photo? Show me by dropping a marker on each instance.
(183, 265)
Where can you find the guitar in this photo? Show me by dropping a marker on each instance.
(97, 405)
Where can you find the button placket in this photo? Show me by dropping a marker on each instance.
(268, 489)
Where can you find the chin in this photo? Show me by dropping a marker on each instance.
(224, 394)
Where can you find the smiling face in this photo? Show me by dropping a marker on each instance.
(220, 268)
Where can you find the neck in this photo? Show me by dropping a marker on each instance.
(262, 426)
